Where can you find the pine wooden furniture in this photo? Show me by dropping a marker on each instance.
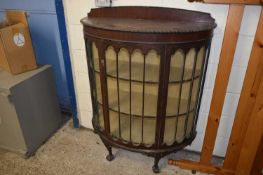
(146, 69)
(245, 148)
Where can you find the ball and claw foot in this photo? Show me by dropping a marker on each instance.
(156, 169)
(110, 157)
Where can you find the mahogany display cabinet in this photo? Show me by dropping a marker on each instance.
(146, 68)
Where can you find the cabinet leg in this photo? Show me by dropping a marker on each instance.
(95, 131)
(110, 156)
(155, 167)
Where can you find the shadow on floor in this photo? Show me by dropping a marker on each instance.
(80, 152)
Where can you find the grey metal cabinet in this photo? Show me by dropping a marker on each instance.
(29, 109)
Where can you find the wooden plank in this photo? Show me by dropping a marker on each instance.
(247, 2)
(252, 136)
(247, 100)
(234, 19)
(258, 163)
(190, 165)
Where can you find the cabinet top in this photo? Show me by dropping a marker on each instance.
(8, 80)
(149, 20)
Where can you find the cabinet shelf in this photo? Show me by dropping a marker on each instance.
(150, 104)
(151, 72)
(146, 135)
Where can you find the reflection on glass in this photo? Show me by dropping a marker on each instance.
(114, 123)
(111, 64)
(96, 89)
(101, 119)
(95, 55)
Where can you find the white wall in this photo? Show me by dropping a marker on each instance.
(77, 9)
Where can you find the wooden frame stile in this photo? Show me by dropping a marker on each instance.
(244, 152)
(258, 163)
(224, 68)
(252, 145)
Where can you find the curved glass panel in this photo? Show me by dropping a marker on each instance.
(95, 55)
(195, 92)
(111, 64)
(93, 63)
(184, 76)
(132, 87)
(152, 70)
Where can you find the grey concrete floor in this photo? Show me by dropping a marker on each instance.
(80, 152)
